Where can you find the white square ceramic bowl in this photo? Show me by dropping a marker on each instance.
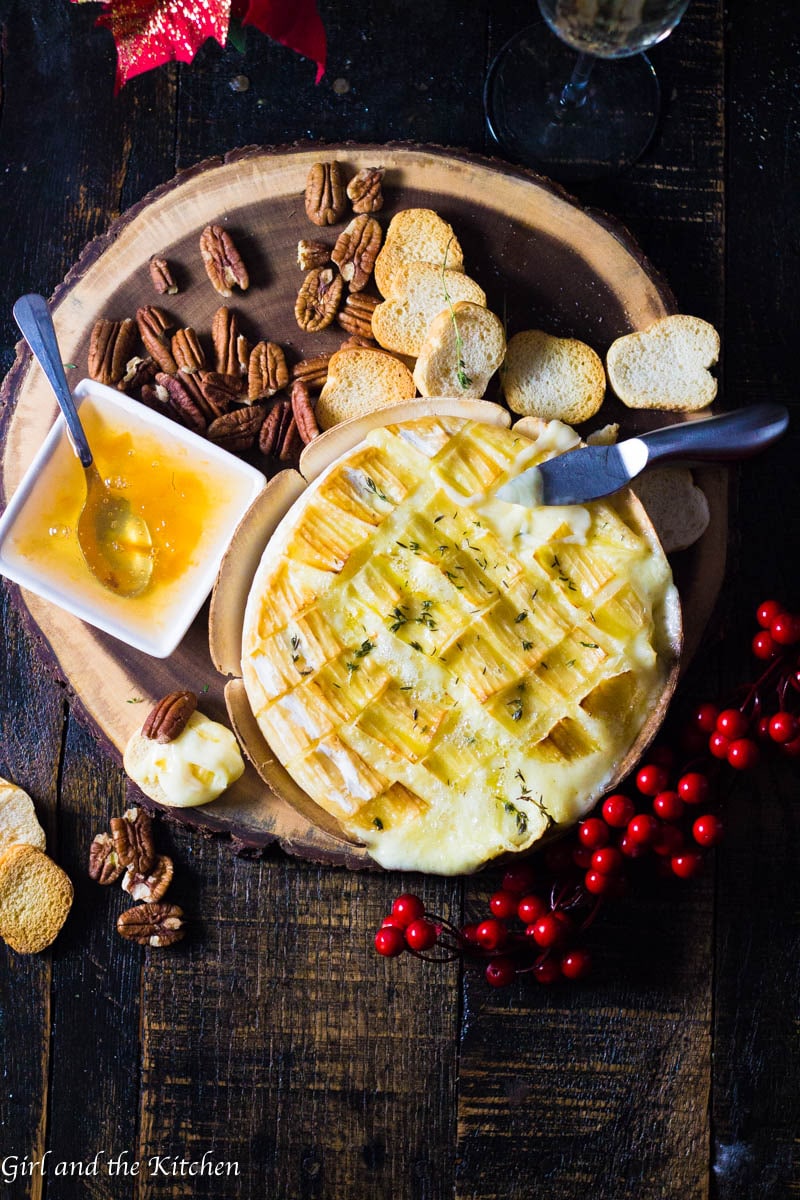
(154, 623)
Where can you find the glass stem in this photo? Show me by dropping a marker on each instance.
(574, 92)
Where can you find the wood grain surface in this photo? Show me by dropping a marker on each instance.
(272, 1036)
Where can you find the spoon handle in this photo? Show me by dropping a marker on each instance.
(33, 317)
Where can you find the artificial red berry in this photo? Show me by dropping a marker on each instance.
(687, 865)
(392, 922)
(547, 971)
(704, 717)
(791, 749)
(390, 941)
(631, 849)
(707, 830)
(693, 788)
(530, 909)
(651, 780)
(593, 833)
(582, 857)
(783, 727)
(767, 612)
(718, 745)
(501, 971)
(732, 723)
(763, 645)
(762, 731)
(618, 810)
(785, 629)
(421, 934)
(519, 879)
(743, 754)
(642, 830)
(668, 806)
(597, 883)
(576, 963)
(408, 908)
(491, 934)
(503, 904)
(607, 860)
(670, 841)
(794, 680)
(548, 931)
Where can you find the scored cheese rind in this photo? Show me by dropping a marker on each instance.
(447, 674)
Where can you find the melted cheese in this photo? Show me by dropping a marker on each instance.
(193, 769)
(466, 673)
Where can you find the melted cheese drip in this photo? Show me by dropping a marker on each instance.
(471, 672)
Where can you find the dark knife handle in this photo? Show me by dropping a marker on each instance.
(718, 439)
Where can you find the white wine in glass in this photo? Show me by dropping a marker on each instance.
(580, 119)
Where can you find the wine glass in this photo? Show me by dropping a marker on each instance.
(580, 119)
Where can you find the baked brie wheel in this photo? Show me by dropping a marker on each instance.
(449, 675)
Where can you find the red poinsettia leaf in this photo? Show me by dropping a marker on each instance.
(293, 23)
(148, 33)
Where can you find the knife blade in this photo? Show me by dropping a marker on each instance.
(592, 472)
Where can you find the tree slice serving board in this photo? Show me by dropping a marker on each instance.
(543, 261)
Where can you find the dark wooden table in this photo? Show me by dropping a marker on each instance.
(274, 1038)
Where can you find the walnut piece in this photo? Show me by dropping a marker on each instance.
(133, 840)
(326, 198)
(237, 430)
(167, 720)
(222, 260)
(111, 344)
(150, 887)
(104, 865)
(366, 191)
(356, 250)
(162, 277)
(267, 372)
(318, 299)
(152, 924)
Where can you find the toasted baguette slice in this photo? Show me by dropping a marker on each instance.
(401, 324)
(666, 366)
(194, 768)
(35, 897)
(558, 379)
(18, 821)
(675, 505)
(362, 381)
(445, 368)
(416, 235)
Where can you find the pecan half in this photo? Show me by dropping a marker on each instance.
(153, 885)
(237, 431)
(223, 262)
(312, 371)
(366, 191)
(326, 198)
(104, 866)
(267, 371)
(357, 342)
(356, 314)
(303, 412)
(152, 924)
(153, 325)
(318, 299)
(292, 442)
(133, 840)
(220, 392)
(162, 277)
(312, 254)
(150, 397)
(230, 347)
(356, 250)
(138, 372)
(274, 429)
(183, 396)
(167, 720)
(111, 344)
(187, 351)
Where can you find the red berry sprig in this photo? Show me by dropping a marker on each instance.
(669, 815)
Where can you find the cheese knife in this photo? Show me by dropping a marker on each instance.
(591, 472)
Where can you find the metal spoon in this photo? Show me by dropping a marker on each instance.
(115, 542)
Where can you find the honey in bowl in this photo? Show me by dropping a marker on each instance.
(191, 494)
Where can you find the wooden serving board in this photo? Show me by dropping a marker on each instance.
(542, 260)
